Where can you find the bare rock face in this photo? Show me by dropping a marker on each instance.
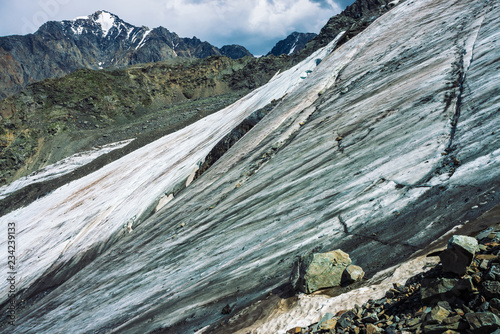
(320, 270)
(292, 44)
(459, 254)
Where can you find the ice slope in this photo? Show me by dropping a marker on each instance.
(86, 215)
(388, 144)
(62, 167)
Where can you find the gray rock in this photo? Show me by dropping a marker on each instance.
(459, 254)
(326, 317)
(370, 319)
(347, 319)
(372, 329)
(483, 322)
(320, 270)
(434, 288)
(491, 289)
(494, 273)
(352, 274)
(437, 315)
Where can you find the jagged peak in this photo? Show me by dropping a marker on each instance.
(101, 18)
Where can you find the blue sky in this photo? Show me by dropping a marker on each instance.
(255, 24)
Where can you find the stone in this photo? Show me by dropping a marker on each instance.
(326, 317)
(484, 234)
(370, 318)
(346, 319)
(372, 329)
(440, 328)
(328, 325)
(483, 322)
(320, 270)
(494, 273)
(294, 330)
(495, 305)
(352, 274)
(437, 315)
(491, 289)
(226, 309)
(488, 257)
(434, 288)
(459, 254)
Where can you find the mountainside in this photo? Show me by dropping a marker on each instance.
(353, 20)
(100, 40)
(56, 118)
(378, 147)
(292, 44)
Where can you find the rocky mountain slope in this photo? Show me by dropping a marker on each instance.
(100, 40)
(354, 19)
(377, 147)
(292, 44)
(56, 118)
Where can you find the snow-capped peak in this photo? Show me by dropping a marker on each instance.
(100, 20)
(80, 18)
(106, 20)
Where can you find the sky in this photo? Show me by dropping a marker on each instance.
(255, 24)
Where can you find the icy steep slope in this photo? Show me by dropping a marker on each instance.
(67, 228)
(388, 144)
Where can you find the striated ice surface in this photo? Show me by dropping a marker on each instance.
(384, 146)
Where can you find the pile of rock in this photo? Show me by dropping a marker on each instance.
(460, 295)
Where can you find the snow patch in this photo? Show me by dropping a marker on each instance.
(80, 18)
(107, 21)
(62, 167)
(143, 40)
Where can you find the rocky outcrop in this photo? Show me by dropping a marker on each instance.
(354, 19)
(292, 44)
(90, 107)
(101, 40)
(234, 51)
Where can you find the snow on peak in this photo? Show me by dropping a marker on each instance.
(106, 20)
(81, 18)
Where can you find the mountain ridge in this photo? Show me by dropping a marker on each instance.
(292, 44)
(101, 40)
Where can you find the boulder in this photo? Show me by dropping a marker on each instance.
(435, 288)
(494, 273)
(437, 315)
(320, 270)
(326, 318)
(459, 254)
(328, 325)
(491, 289)
(483, 322)
(352, 274)
(372, 329)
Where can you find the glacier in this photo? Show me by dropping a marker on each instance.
(389, 142)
